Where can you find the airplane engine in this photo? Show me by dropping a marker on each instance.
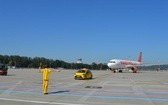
(134, 69)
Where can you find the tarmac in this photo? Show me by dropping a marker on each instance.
(24, 87)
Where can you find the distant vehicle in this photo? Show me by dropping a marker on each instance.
(119, 65)
(83, 74)
(3, 69)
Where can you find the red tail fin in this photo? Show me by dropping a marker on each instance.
(140, 57)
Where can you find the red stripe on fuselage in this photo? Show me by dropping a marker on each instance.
(128, 63)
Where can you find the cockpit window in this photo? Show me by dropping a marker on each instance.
(112, 62)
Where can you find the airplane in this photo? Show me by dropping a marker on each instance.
(119, 65)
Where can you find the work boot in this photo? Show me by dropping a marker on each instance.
(45, 93)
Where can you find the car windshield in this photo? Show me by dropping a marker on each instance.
(81, 71)
(3, 67)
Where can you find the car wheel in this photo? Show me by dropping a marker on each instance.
(75, 77)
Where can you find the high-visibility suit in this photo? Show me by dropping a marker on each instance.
(45, 72)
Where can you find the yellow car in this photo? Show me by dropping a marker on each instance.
(83, 74)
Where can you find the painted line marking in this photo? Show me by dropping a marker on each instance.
(11, 88)
(38, 102)
(98, 96)
(26, 87)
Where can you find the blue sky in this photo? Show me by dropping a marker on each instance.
(94, 30)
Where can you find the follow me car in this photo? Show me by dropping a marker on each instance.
(83, 74)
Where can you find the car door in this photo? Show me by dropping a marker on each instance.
(88, 74)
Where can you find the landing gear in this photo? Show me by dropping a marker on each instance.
(120, 71)
(134, 71)
(114, 71)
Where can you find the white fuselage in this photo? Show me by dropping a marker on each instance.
(122, 64)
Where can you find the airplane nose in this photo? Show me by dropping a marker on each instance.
(109, 64)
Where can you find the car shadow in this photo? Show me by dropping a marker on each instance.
(8, 75)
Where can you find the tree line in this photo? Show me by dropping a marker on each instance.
(28, 62)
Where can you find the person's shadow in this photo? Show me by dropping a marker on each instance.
(63, 91)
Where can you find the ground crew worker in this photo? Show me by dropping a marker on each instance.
(46, 72)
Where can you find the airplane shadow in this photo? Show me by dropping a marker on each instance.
(58, 92)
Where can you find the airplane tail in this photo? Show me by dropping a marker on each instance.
(140, 57)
